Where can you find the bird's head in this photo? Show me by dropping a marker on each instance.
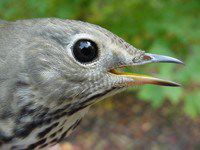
(82, 61)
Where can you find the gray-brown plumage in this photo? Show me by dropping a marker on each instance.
(53, 70)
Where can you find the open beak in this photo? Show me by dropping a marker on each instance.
(143, 79)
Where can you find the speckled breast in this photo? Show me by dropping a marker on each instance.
(48, 134)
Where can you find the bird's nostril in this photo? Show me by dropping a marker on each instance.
(145, 57)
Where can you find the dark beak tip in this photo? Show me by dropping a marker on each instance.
(174, 84)
(182, 63)
(179, 62)
(162, 58)
(177, 85)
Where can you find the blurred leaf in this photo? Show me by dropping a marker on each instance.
(153, 94)
(173, 94)
(192, 106)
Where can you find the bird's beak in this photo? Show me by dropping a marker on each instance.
(143, 79)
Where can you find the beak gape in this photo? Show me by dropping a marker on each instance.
(143, 79)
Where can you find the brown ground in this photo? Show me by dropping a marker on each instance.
(125, 124)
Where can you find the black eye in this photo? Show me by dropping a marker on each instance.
(85, 50)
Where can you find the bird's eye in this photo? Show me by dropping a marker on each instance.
(85, 51)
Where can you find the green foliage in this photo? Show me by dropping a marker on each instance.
(164, 27)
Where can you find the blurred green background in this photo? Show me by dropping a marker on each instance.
(168, 27)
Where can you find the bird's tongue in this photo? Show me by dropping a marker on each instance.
(144, 79)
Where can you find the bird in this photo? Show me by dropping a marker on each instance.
(53, 70)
